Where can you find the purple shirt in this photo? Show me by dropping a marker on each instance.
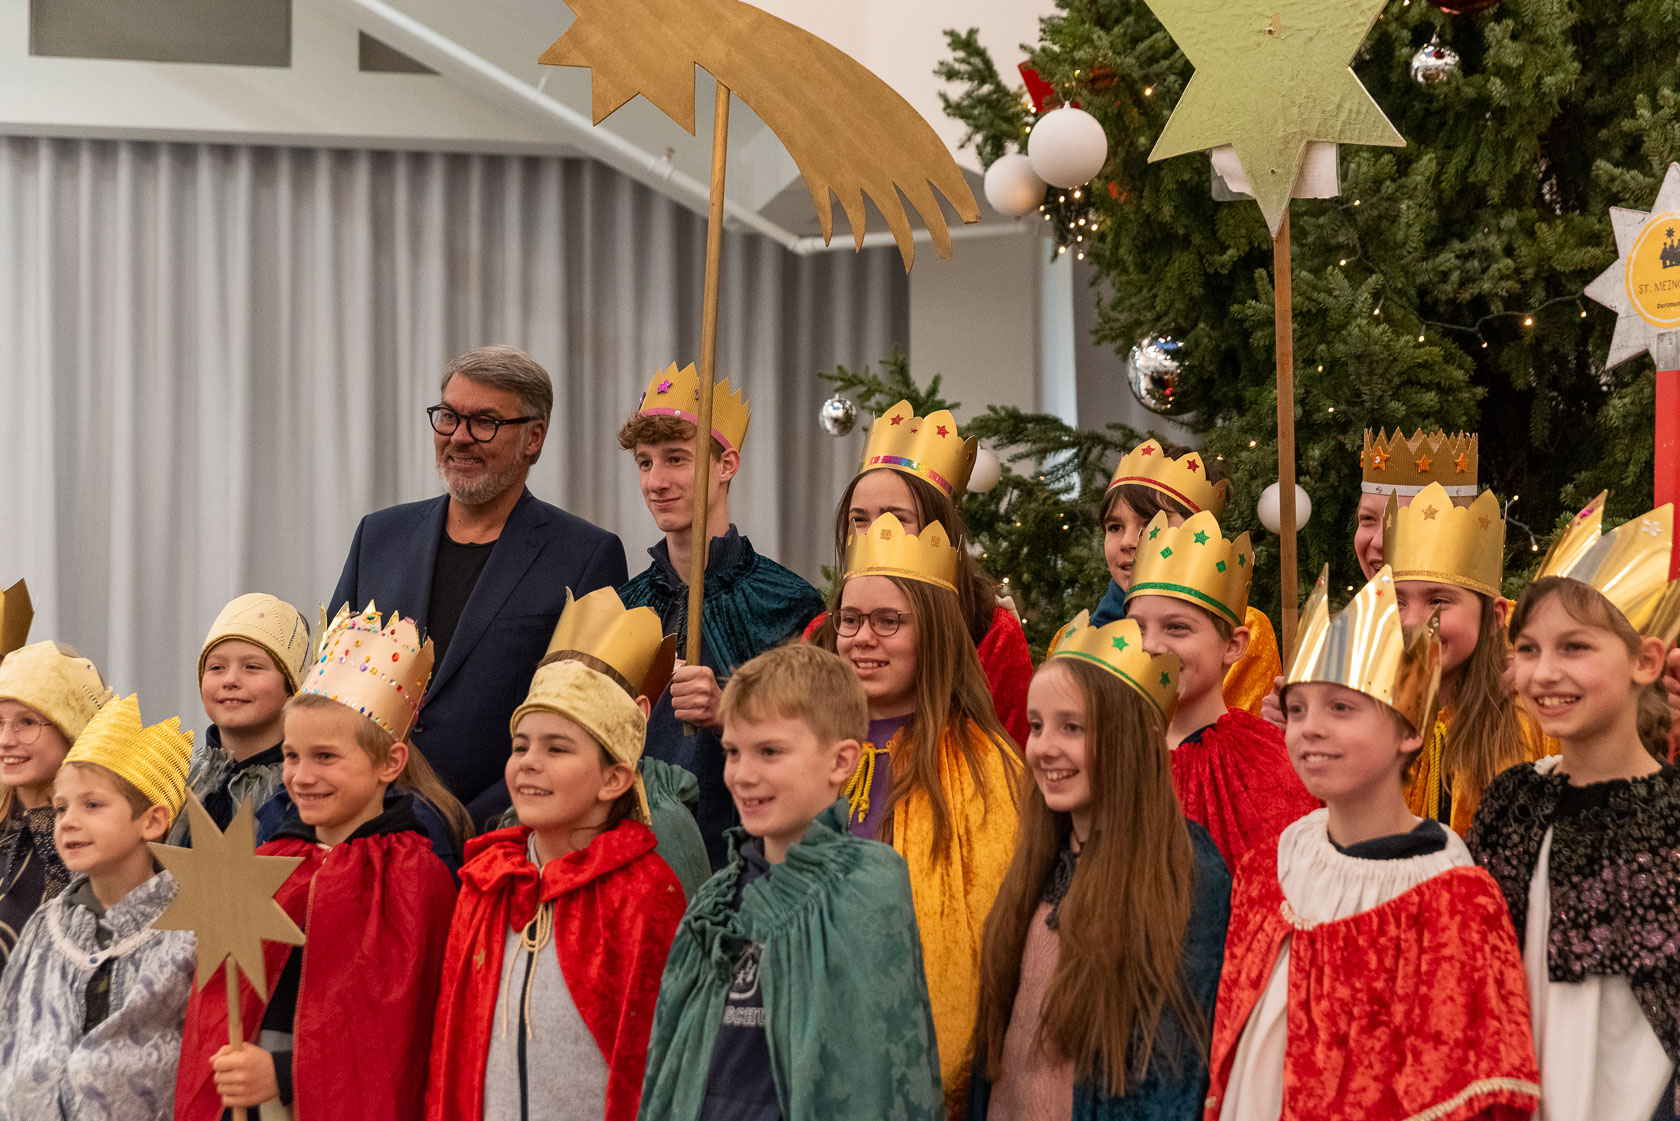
(881, 733)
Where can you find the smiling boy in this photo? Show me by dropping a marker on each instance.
(825, 1015)
(1371, 971)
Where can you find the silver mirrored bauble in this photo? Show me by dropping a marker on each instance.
(837, 416)
(1434, 63)
(1153, 369)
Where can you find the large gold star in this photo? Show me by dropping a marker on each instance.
(1271, 77)
(227, 894)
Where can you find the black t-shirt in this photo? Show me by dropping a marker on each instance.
(739, 1085)
(453, 579)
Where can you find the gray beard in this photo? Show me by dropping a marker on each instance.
(486, 489)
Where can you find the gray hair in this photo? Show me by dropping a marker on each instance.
(507, 368)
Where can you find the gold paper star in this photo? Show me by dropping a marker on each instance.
(227, 894)
(1271, 77)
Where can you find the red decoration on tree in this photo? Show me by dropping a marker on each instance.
(1463, 7)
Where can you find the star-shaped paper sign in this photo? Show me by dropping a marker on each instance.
(1272, 76)
(1643, 286)
(227, 894)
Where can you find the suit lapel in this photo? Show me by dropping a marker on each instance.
(516, 550)
(414, 583)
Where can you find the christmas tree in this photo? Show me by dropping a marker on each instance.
(1442, 288)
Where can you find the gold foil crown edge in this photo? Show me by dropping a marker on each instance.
(674, 392)
(1183, 479)
(1195, 562)
(930, 448)
(885, 549)
(1433, 539)
(1118, 648)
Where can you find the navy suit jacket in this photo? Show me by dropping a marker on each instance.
(503, 631)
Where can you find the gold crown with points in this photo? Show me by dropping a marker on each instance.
(1628, 566)
(1195, 563)
(379, 671)
(1183, 479)
(631, 640)
(1368, 650)
(269, 622)
(929, 448)
(885, 549)
(16, 613)
(153, 759)
(1432, 539)
(1118, 648)
(674, 392)
(1398, 465)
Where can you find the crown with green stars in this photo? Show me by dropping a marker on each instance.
(1118, 648)
(1195, 563)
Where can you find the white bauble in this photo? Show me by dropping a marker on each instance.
(1067, 147)
(1270, 517)
(1013, 187)
(988, 469)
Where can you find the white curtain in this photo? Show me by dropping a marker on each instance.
(215, 359)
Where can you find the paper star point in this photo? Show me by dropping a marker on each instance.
(1637, 286)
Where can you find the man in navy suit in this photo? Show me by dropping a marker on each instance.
(483, 570)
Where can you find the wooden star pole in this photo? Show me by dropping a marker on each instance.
(849, 133)
(1283, 312)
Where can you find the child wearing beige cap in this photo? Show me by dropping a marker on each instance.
(92, 1005)
(48, 693)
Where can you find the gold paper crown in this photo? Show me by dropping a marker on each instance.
(674, 392)
(929, 448)
(1195, 563)
(1118, 648)
(630, 640)
(1396, 465)
(1366, 649)
(154, 759)
(885, 549)
(1628, 566)
(1183, 479)
(269, 622)
(16, 613)
(379, 671)
(597, 704)
(56, 682)
(1432, 539)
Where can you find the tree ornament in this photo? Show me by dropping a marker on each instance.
(1463, 7)
(1272, 518)
(837, 416)
(1013, 187)
(1434, 63)
(1153, 369)
(1067, 147)
(988, 470)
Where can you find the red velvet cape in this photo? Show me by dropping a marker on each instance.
(374, 911)
(1239, 785)
(1415, 1008)
(617, 906)
(1007, 662)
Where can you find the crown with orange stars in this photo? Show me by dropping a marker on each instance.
(1398, 465)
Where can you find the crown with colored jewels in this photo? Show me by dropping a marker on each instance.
(885, 549)
(630, 640)
(1628, 566)
(1368, 650)
(1397, 465)
(929, 448)
(1432, 539)
(1118, 648)
(380, 671)
(153, 759)
(674, 392)
(1183, 479)
(1195, 563)
(16, 613)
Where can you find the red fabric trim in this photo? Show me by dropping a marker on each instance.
(617, 907)
(375, 912)
(1238, 783)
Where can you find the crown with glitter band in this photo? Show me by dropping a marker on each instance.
(1195, 563)
(885, 549)
(929, 448)
(1397, 465)
(379, 671)
(153, 759)
(1118, 648)
(16, 613)
(1183, 479)
(1432, 539)
(631, 640)
(674, 392)
(1368, 650)
(1628, 566)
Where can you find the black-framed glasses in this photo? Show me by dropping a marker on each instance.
(884, 621)
(482, 427)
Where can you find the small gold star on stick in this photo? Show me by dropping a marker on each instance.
(226, 898)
